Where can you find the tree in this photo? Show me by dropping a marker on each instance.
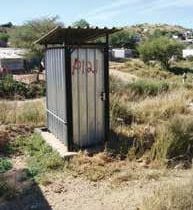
(123, 38)
(81, 23)
(24, 37)
(161, 49)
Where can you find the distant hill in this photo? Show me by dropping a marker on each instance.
(145, 30)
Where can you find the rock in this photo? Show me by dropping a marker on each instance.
(59, 189)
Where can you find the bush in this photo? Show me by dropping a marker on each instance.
(148, 87)
(174, 139)
(9, 88)
(161, 49)
(5, 165)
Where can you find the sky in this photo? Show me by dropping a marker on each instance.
(100, 12)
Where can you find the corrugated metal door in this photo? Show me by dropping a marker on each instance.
(88, 96)
(56, 93)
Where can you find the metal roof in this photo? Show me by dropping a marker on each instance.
(71, 35)
(12, 53)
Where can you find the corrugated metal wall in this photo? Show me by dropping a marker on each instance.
(56, 93)
(87, 85)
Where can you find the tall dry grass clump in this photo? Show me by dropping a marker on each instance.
(162, 107)
(23, 112)
(174, 139)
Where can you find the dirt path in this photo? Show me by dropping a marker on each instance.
(124, 76)
(79, 194)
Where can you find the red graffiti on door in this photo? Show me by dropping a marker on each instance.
(84, 66)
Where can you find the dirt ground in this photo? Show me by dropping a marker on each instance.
(81, 194)
(66, 192)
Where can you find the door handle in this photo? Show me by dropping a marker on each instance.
(103, 96)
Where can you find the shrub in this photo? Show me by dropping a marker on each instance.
(174, 139)
(161, 49)
(9, 88)
(5, 165)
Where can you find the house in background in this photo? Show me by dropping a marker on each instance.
(187, 53)
(12, 60)
(120, 53)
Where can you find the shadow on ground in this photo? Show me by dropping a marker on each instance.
(19, 192)
(119, 144)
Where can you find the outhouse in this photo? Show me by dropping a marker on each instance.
(77, 75)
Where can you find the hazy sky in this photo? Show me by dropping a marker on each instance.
(101, 12)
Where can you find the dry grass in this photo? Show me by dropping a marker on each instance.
(163, 107)
(178, 196)
(138, 122)
(103, 167)
(140, 69)
(21, 112)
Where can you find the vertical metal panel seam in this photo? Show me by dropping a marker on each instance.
(69, 97)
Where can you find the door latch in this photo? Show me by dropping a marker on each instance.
(103, 96)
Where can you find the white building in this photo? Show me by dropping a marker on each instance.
(121, 53)
(187, 53)
(12, 59)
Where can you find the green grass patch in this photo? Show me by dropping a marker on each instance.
(148, 87)
(41, 157)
